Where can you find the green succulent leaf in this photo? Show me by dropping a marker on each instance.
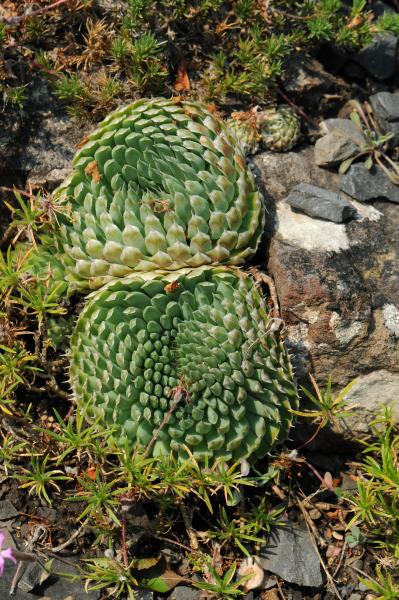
(184, 362)
(159, 185)
(279, 128)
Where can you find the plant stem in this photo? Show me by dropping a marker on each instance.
(39, 11)
(124, 551)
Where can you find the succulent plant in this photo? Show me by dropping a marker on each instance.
(173, 347)
(279, 128)
(246, 134)
(58, 330)
(184, 360)
(158, 185)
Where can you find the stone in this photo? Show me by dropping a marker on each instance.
(269, 583)
(369, 394)
(9, 571)
(386, 110)
(40, 146)
(345, 127)
(7, 510)
(289, 553)
(185, 592)
(310, 234)
(60, 588)
(322, 204)
(378, 8)
(348, 484)
(297, 167)
(337, 283)
(391, 318)
(31, 577)
(305, 77)
(143, 595)
(366, 185)
(333, 148)
(380, 56)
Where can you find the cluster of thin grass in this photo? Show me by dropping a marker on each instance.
(212, 47)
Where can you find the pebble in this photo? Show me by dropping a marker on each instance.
(364, 185)
(344, 126)
(348, 484)
(386, 110)
(144, 595)
(379, 7)
(7, 510)
(184, 592)
(323, 204)
(358, 564)
(379, 58)
(333, 149)
(31, 577)
(289, 553)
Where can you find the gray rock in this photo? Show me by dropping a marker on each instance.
(7, 510)
(364, 185)
(290, 554)
(57, 588)
(322, 204)
(380, 57)
(9, 571)
(143, 595)
(386, 110)
(185, 592)
(41, 145)
(344, 126)
(379, 8)
(277, 174)
(333, 149)
(348, 484)
(369, 394)
(337, 283)
(305, 76)
(31, 577)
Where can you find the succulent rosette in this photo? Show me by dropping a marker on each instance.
(158, 185)
(184, 360)
(173, 347)
(246, 133)
(279, 128)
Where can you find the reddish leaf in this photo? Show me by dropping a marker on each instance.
(92, 171)
(183, 82)
(91, 473)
